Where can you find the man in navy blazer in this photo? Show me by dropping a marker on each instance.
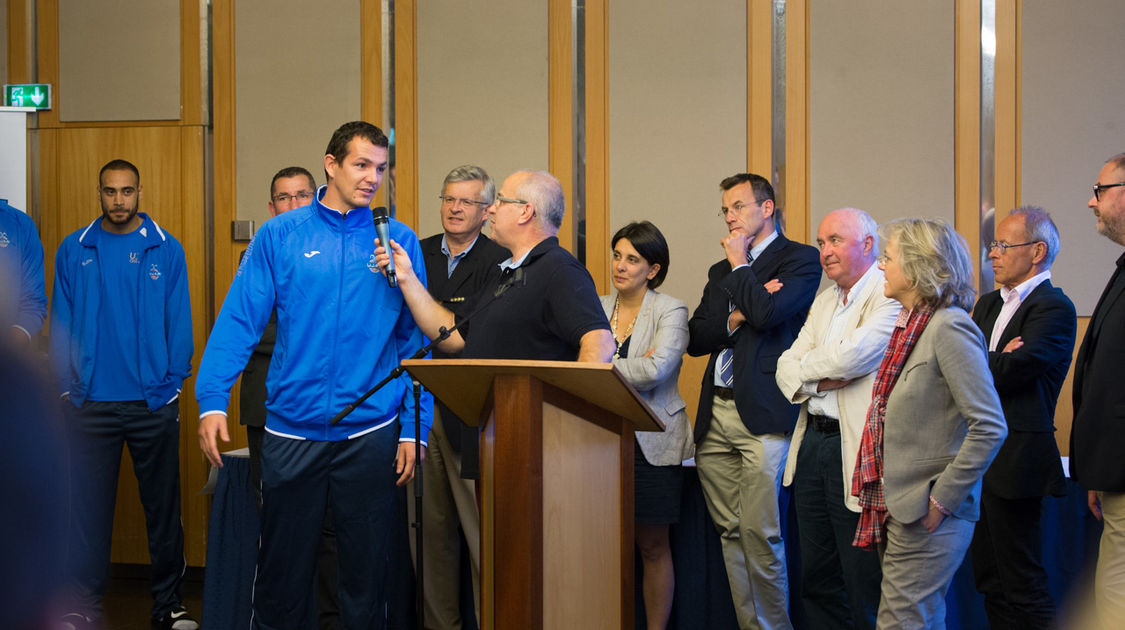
(753, 306)
(1097, 438)
(1030, 328)
(459, 262)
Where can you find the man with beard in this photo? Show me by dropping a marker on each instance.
(121, 346)
(1098, 433)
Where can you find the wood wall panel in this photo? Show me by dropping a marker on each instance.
(191, 68)
(406, 112)
(225, 169)
(966, 125)
(1007, 185)
(170, 158)
(194, 237)
(597, 143)
(795, 172)
(19, 47)
(170, 161)
(560, 107)
(759, 87)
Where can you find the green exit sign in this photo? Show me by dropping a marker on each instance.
(37, 95)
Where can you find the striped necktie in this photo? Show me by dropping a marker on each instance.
(726, 355)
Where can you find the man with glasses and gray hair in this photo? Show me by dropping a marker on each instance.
(1030, 328)
(459, 261)
(1097, 437)
(549, 309)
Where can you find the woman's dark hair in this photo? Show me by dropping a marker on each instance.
(649, 243)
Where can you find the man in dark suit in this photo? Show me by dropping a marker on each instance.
(459, 261)
(744, 421)
(291, 187)
(1097, 438)
(1030, 327)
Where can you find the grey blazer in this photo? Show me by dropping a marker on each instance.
(661, 325)
(944, 422)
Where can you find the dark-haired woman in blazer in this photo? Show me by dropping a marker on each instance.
(651, 333)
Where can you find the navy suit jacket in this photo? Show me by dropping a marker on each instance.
(1028, 381)
(773, 321)
(475, 270)
(1097, 439)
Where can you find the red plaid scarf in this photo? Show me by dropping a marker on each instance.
(867, 482)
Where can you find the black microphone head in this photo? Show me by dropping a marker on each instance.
(380, 212)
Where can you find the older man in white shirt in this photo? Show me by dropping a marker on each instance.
(830, 370)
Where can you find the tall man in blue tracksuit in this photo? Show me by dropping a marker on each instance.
(121, 347)
(340, 329)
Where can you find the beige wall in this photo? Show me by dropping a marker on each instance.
(119, 60)
(297, 73)
(677, 125)
(1072, 120)
(482, 93)
(881, 108)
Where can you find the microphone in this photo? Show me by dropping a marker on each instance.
(383, 231)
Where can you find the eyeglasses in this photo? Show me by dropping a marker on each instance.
(500, 199)
(1098, 188)
(737, 207)
(1004, 247)
(453, 202)
(303, 196)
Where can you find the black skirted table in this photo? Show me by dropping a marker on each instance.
(702, 599)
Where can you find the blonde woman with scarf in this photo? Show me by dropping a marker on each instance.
(934, 425)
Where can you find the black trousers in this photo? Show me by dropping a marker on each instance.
(1007, 563)
(840, 584)
(302, 482)
(98, 431)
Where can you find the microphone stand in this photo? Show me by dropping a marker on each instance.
(443, 334)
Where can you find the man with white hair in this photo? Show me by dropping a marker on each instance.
(829, 370)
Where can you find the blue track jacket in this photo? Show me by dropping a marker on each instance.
(21, 260)
(340, 328)
(164, 331)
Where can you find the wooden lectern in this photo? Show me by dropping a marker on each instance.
(557, 487)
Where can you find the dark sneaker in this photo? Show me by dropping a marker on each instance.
(176, 619)
(76, 621)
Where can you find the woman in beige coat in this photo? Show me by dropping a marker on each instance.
(651, 332)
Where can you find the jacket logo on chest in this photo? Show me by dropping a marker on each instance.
(371, 266)
(134, 258)
(4, 239)
(154, 272)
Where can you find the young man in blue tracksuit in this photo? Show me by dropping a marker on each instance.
(340, 329)
(121, 346)
(21, 263)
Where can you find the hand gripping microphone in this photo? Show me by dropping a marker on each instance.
(383, 231)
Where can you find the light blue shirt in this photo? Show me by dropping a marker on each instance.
(451, 261)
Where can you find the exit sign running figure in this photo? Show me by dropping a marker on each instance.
(37, 95)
